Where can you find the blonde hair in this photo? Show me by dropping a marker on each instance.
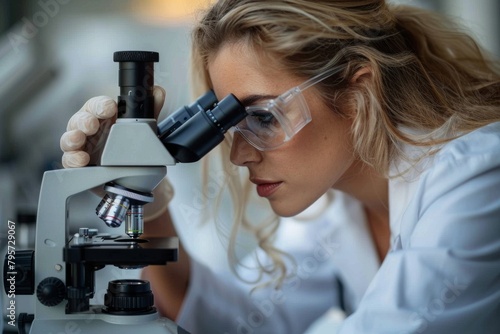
(426, 73)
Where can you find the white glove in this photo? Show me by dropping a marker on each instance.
(85, 135)
(83, 140)
(82, 136)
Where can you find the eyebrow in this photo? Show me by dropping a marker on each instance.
(251, 99)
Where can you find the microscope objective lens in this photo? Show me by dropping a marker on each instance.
(113, 210)
(134, 225)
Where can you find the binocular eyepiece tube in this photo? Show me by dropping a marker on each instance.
(193, 131)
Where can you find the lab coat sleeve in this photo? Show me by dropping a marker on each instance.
(218, 303)
(329, 323)
(443, 274)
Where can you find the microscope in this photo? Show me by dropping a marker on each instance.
(61, 269)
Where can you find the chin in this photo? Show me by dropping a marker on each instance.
(292, 203)
(287, 210)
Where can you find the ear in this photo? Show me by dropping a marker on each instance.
(362, 74)
(359, 82)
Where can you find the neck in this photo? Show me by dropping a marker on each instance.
(368, 186)
(378, 225)
(371, 189)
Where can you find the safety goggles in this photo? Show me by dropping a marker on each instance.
(272, 123)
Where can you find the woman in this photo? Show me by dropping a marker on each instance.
(404, 115)
(392, 106)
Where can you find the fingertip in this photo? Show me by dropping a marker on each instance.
(102, 107)
(84, 121)
(108, 108)
(159, 95)
(159, 90)
(72, 140)
(75, 159)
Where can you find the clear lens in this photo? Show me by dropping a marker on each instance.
(296, 114)
(262, 128)
(270, 126)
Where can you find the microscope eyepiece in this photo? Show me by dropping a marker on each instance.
(201, 132)
(136, 81)
(227, 113)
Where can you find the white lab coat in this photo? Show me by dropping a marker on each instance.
(335, 261)
(442, 274)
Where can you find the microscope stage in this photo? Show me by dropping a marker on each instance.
(123, 251)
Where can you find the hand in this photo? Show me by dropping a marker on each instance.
(86, 132)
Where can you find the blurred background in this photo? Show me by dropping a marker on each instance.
(56, 54)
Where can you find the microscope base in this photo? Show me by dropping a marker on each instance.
(94, 321)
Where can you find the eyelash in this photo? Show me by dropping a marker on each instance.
(265, 119)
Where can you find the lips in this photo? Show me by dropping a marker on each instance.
(266, 188)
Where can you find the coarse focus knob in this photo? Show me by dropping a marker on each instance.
(51, 291)
(129, 296)
(19, 273)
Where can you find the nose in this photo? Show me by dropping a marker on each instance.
(242, 153)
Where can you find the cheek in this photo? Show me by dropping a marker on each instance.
(327, 138)
(326, 152)
(314, 161)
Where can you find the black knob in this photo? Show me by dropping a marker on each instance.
(136, 56)
(19, 273)
(51, 291)
(128, 297)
